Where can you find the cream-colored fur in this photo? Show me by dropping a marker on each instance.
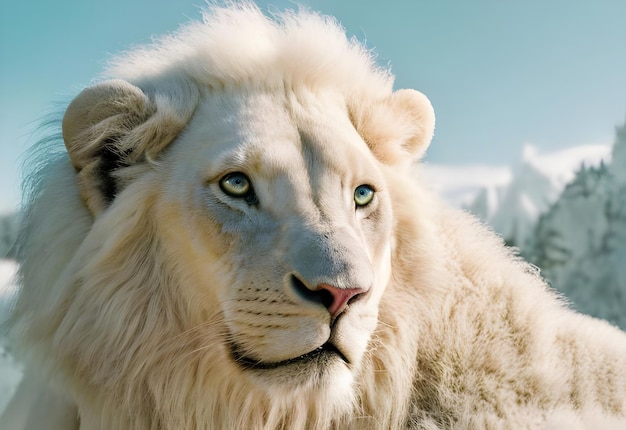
(157, 300)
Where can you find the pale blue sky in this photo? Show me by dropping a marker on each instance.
(500, 73)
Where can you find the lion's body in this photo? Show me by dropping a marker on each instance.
(160, 298)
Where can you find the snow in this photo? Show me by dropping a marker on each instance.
(8, 269)
(10, 371)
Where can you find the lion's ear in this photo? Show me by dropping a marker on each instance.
(399, 128)
(113, 125)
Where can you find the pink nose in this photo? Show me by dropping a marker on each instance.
(338, 298)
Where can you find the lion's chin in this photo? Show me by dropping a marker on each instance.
(318, 359)
(324, 367)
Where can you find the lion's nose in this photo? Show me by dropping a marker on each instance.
(335, 299)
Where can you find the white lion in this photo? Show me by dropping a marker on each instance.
(234, 241)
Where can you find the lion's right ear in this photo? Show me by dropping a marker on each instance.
(114, 125)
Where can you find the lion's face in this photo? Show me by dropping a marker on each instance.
(251, 225)
(286, 229)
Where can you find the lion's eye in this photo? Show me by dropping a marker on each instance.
(363, 195)
(235, 184)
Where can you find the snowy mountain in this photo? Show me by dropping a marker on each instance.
(580, 242)
(536, 182)
(459, 185)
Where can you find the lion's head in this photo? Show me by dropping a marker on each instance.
(230, 227)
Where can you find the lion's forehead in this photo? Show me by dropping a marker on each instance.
(293, 144)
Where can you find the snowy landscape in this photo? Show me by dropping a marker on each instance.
(566, 213)
(564, 210)
(10, 371)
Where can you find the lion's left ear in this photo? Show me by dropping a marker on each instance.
(399, 128)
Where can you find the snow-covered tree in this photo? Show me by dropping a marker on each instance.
(580, 242)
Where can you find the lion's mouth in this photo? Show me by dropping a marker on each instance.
(320, 355)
